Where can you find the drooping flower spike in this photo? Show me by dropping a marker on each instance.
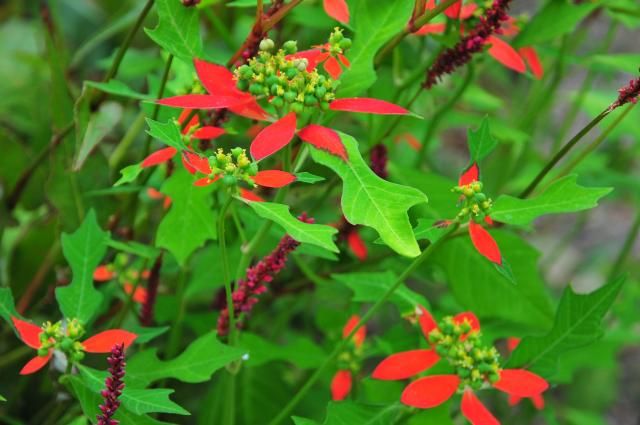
(456, 340)
(65, 338)
(342, 381)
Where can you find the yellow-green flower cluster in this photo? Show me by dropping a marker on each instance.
(338, 43)
(285, 81)
(475, 204)
(63, 337)
(474, 362)
(233, 166)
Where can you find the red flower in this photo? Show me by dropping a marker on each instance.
(105, 273)
(342, 380)
(456, 340)
(51, 337)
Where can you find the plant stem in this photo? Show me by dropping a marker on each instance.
(230, 400)
(365, 318)
(561, 153)
(156, 107)
(420, 21)
(176, 329)
(626, 248)
(596, 142)
(226, 275)
(441, 112)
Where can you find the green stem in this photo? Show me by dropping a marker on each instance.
(596, 142)
(156, 107)
(226, 274)
(561, 153)
(129, 137)
(230, 400)
(284, 413)
(176, 329)
(441, 112)
(626, 248)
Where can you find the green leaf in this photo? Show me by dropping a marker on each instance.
(350, 413)
(562, 196)
(429, 229)
(136, 248)
(100, 123)
(117, 88)
(577, 323)
(479, 287)
(369, 287)
(374, 23)
(7, 305)
(197, 363)
(83, 250)
(137, 400)
(481, 143)
(557, 17)
(129, 174)
(168, 133)
(191, 221)
(369, 200)
(305, 177)
(315, 234)
(178, 30)
(301, 351)
(2, 398)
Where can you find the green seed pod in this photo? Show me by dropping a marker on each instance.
(290, 47)
(468, 192)
(66, 344)
(256, 89)
(229, 180)
(345, 44)
(476, 385)
(291, 73)
(480, 197)
(302, 64)
(271, 80)
(236, 152)
(77, 356)
(289, 96)
(253, 169)
(320, 92)
(463, 372)
(274, 89)
(278, 102)
(297, 107)
(245, 71)
(324, 106)
(42, 351)
(336, 36)
(441, 350)
(243, 85)
(494, 377)
(310, 100)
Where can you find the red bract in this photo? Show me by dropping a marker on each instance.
(250, 196)
(367, 105)
(274, 178)
(320, 55)
(357, 245)
(431, 391)
(274, 137)
(323, 138)
(337, 9)
(484, 243)
(99, 343)
(537, 400)
(342, 380)
(341, 385)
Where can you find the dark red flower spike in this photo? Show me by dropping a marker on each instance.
(367, 105)
(337, 9)
(323, 138)
(341, 385)
(474, 410)
(484, 243)
(405, 364)
(274, 137)
(274, 178)
(430, 391)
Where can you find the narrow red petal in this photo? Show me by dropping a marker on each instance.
(470, 175)
(513, 400)
(250, 196)
(474, 410)
(361, 333)
(201, 101)
(323, 138)
(337, 9)
(367, 105)
(530, 56)
(521, 383)
(35, 364)
(274, 137)
(538, 401)
(140, 294)
(199, 163)
(512, 343)
(405, 364)
(467, 10)
(216, 79)
(430, 391)
(159, 156)
(469, 317)
(505, 54)
(103, 273)
(341, 385)
(344, 60)
(484, 243)
(431, 29)
(208, 132)
(28, 332)
(103, 342)
(183, 116)
(427, 322)
(411, 140)
(250, 109)
(313, 56)
(488, 220)
(357, 245)
(453, 11)
(187, 165)
(273, 178)
(206, 181)
(153, 193)
(333, 68)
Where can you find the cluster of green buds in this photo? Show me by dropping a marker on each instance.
(351, 357)
(233, 166)
(338, 43)
(474, 203)
(474, 362)
(285, 81)
(64, 337)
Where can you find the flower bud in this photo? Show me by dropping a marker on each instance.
(266, 44)
(289, 96)
(345, 44)
(310, 100)
(297, 107)
(278, 102)
(229, 180)
(290, 47)
(256, 89)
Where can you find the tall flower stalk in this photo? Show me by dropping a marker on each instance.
(113, 387)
